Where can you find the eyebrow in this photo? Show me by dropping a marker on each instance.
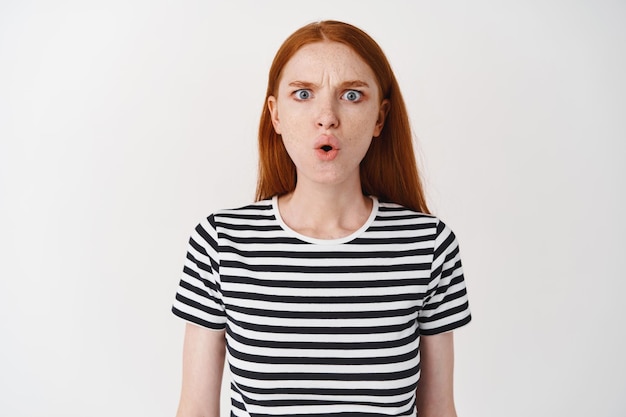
(345, 84)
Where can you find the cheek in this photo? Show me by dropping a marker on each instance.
(364, 123)
(291, 121)
(291, 134)
(294, 150)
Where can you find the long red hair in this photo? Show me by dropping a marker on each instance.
(389, 170)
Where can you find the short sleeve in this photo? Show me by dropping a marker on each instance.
(446, 305)
(199, 297)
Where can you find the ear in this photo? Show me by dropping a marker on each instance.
(382, 115)
(272, 106)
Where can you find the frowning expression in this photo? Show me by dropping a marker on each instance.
(327, 109)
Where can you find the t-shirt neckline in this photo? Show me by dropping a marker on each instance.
(317, 241)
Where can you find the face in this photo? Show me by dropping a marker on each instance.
(327, 110)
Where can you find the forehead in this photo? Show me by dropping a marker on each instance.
(326, 58)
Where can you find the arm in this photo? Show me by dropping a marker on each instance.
(203, 365)
(435, 397)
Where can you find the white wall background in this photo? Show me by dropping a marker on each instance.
(122, 123)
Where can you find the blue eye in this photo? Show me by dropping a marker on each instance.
(303, 94)
(352, 95)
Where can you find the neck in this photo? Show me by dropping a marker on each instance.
(325, 213)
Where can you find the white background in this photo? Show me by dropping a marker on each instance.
(122, 123)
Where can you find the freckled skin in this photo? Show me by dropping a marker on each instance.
(316, 97)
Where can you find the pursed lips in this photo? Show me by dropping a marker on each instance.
(326, 142)
(326, 147)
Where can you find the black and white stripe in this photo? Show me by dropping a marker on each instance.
(323, 327)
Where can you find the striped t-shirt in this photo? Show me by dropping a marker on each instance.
(323, 327)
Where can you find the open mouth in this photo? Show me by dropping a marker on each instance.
(327, 147)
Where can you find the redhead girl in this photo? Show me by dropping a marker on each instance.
(336, 292)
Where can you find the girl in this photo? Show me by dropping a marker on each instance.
(336, 292)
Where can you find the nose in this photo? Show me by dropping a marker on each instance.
(327, 117)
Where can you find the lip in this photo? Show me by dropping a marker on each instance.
(326, 140)
(327, 155)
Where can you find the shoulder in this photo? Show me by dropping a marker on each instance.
(389, 211)
(393, 214)
(254, 216)
(256, 210)
(232, 222)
